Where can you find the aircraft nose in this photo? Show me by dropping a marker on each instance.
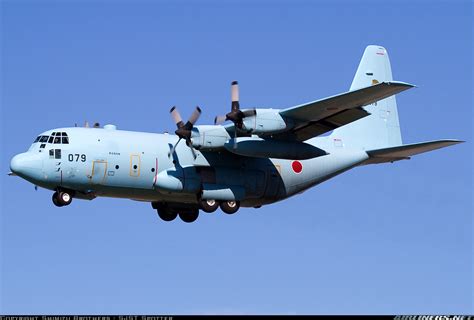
(25, 164)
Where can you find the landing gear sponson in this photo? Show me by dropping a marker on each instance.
(169, 212)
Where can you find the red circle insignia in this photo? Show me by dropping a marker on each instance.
(297, 166)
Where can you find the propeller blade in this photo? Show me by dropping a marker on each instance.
(195, 116)
(249, 113)
(220, 119)
(234, 91)
(176, 117)
(173, 148)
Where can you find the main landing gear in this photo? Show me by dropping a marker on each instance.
(230, 207)
(62, 198)
(169, 212)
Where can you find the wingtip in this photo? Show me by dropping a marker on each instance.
(401, 83)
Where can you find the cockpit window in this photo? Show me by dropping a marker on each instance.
(55, 138)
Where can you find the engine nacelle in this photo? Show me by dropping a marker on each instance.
(209, 137)
(266, 121)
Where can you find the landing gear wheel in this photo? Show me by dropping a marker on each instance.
(64, 198)
(55, 200)
(209, 205)
(230, 207)
(166, 214)
(189, 216)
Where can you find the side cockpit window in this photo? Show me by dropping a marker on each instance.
(37, 139)
(65, 138)
(43, 139)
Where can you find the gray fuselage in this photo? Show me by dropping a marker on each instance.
(126, 164)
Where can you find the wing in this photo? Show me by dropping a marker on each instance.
(315, 118)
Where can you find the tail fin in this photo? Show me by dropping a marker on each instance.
(381, 129)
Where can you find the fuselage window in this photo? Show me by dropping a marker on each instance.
(50, 140)
(51, 153)
(37, 139)
(57, 140)
(65, 140)
(43, 139)
(57, 153)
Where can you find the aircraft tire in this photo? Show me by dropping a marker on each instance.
(64, 198)
(166, 214)
(55, 200)
(209, 205)
(189, 216)
(230, 207)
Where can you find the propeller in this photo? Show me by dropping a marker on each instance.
(184, 129)
(235, 115)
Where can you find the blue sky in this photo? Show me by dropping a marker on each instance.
(379, 239)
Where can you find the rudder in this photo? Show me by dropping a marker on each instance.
(381, 128)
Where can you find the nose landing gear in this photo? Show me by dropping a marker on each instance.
(62, 198)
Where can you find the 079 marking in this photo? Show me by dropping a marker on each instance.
(71, 157)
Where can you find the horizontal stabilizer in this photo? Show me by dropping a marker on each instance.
(406, 151)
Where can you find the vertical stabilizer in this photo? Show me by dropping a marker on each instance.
(381, 129)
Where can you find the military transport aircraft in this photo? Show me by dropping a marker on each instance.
(259, 157)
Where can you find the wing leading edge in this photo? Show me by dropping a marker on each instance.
(320, 116)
